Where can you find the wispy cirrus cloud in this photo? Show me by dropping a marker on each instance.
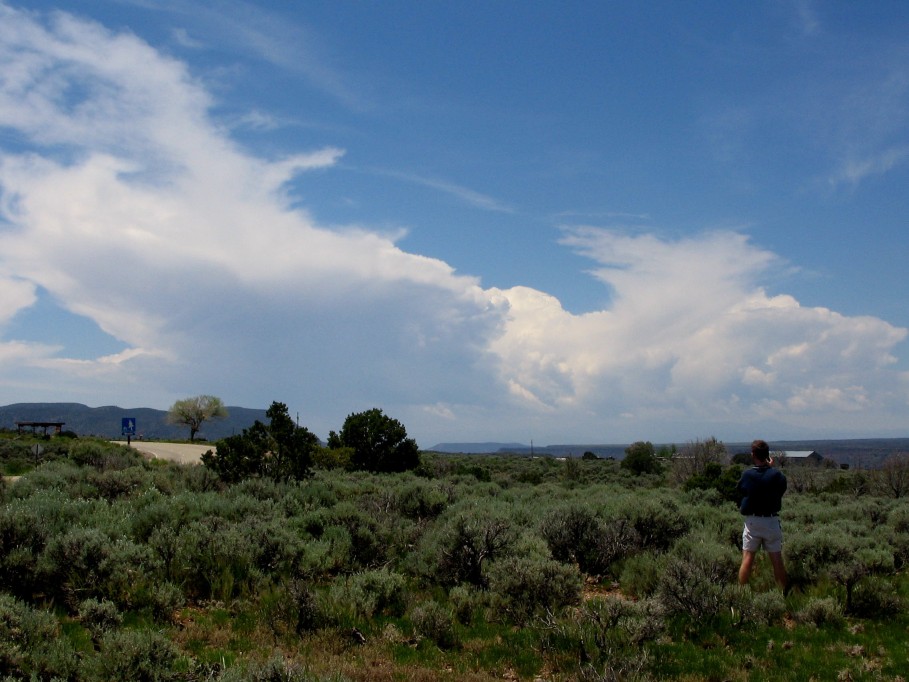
(854, 171)
(460, 192)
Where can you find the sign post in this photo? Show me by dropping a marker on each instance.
(128, 428)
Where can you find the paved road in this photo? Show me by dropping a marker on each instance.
(178, 452)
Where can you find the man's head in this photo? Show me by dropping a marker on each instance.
(760, 451)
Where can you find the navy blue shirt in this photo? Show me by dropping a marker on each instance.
(762, 488)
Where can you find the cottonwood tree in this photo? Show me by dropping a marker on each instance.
(192, 412)
(696, 457)
(379, 443)
(892, 479)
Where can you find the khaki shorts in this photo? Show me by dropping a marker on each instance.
(762, 531)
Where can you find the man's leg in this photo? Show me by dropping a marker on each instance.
(779, 570)
(746, 567)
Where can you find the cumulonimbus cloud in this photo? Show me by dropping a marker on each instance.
(690, 332)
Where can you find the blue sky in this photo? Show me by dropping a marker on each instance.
(566, 222)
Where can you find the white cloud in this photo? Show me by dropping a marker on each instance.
(17, 295)
(690, 332)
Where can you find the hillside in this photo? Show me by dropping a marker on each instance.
(105, 421)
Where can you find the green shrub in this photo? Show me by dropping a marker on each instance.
(135, 655)
(875, 598)
(808, 554)
(462, 546)
(23, 535)
(275, 547)
(15, 458)
(434, 622)
(608, 634)
(360, 597)
(613, 622)
(615, 541)
(116, 483)
(165, 599)
(820, 611)
(31, 646)
(659, 523)
(275, 669)
(640, 575)
(103, 456)
(898, 519)
(291, 606)
(465, 600)
(99, 617)
(524, 586)
(164, 543)
(24, 626)
(899, 543)
(841, 554)
(367, 547)
(571, 533)
(213, 560)
(759, 608)
(84, 563)
(200, 479)
(696, 577)
(421, 500)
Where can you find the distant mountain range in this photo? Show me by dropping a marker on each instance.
(864, 452)
(476, 448)
(105, 421)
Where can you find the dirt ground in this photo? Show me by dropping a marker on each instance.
(185, 453)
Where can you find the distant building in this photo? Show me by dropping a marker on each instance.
(800, 456)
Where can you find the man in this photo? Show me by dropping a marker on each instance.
(762, 488)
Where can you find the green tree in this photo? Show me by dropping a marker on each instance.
(280, 450)
(192, 412)
(640, 458)
(379, 442)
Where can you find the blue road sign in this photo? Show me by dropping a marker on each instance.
(128, 426)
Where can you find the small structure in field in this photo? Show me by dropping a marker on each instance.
(58, 426)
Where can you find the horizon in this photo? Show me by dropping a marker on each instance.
(587, 222)
(494, 442)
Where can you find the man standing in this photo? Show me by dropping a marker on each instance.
(762, 488)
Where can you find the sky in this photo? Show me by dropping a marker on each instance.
(557, 222)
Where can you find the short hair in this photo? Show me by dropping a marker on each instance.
(761, 450)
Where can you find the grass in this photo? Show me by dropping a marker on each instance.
(858, 650)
